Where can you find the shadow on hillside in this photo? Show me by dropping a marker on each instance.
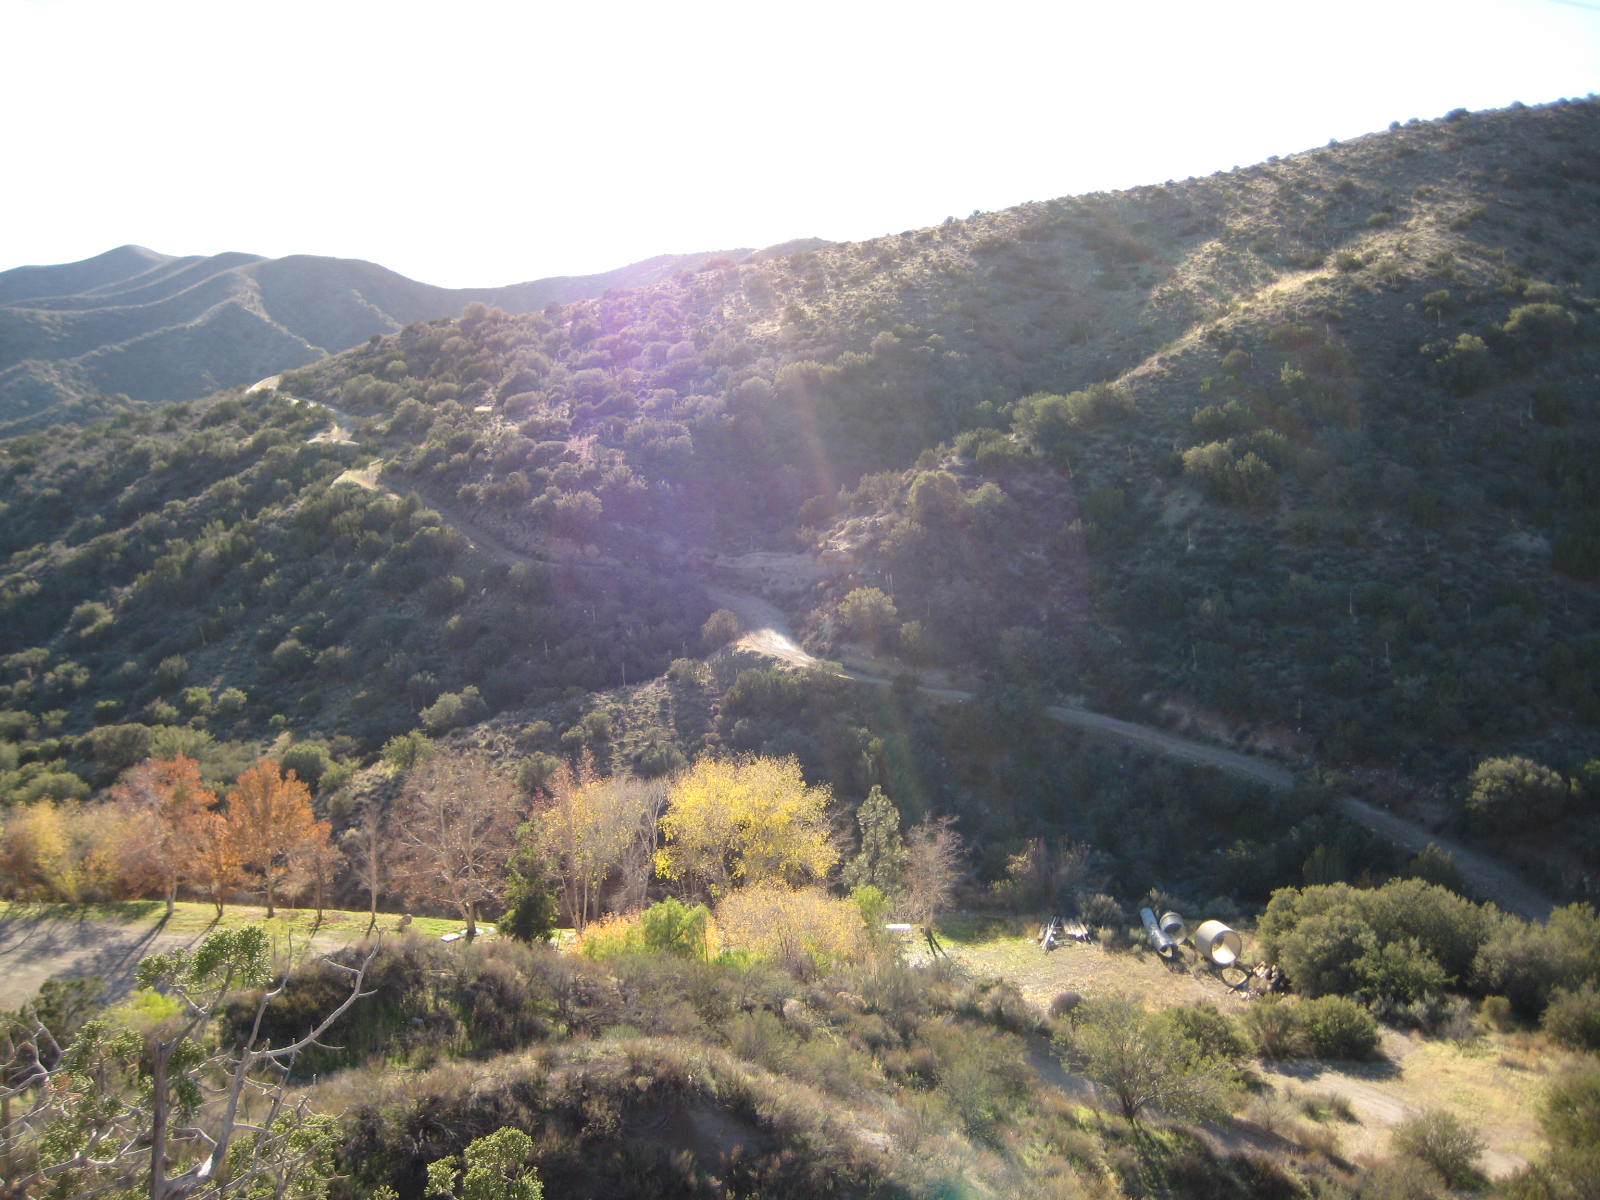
(1374, 1071)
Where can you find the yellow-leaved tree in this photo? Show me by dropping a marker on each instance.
(735, 822)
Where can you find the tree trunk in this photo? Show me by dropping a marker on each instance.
(158, 1119)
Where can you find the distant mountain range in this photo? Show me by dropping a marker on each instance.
(152, 327)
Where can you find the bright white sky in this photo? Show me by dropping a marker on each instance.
(491, 142)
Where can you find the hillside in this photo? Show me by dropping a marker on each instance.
(79, 338)
(1299, 457)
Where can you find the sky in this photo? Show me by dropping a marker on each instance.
(488, 143)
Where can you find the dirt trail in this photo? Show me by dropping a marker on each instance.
(1487, 878)
(768, 632)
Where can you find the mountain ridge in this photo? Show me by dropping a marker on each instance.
(134, 322)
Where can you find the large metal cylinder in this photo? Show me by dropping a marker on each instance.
(1163, 944)
(1217, 943)
(1172, 925)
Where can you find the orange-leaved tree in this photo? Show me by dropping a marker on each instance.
(166, 806)
(217, 869)
(270, 817)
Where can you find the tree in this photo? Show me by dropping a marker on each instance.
(1514, 792)
(933, 868)
(636, 806)
(531, 905)
(270, 817)
(166, 805)
(217, 867)
(363, 845)
(744, 821)
(881, 860)
(577, 831)
(493, 1167)
(36, 860)
(158, 1111)
(320, 861)
(1143, 1061)
(453, 826)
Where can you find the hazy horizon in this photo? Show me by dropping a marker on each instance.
(504, 146)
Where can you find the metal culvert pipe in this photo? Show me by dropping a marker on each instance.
(1172, 925)
(1217, 943)
(1163, 944)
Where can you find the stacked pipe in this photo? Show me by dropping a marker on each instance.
(1159, 938)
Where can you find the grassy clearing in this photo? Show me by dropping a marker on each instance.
(1006, 947)
(1493, 1083)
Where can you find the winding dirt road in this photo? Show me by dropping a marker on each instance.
(766, 631)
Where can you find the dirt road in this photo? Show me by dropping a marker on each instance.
(767, 631)
(1487, 878)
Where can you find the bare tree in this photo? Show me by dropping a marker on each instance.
(637, 806)
(319, 863)
(934, 866)
(160, 1113)
(453, 833)
(364, 844)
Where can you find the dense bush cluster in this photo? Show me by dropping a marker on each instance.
(1408, 941)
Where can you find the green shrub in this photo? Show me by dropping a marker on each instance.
(721, 627)
(1445, 1143)
(672, 927)
(454, 709)
(1337, 1027)
(1514, 792)
(405, 750)
(1573, 1017)
(1270, 1025)
(1495, 1012)
(1210, 1030)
